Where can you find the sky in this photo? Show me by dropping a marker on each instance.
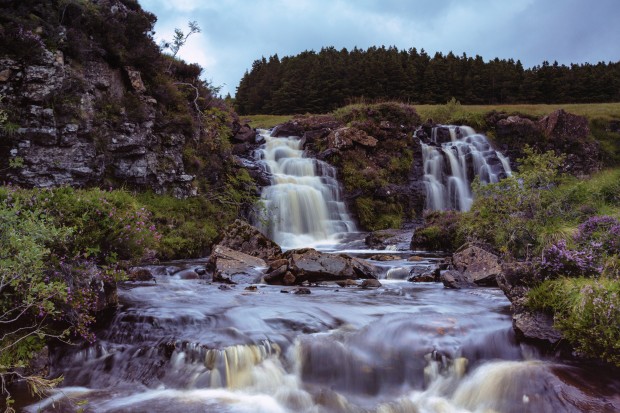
(235, 33)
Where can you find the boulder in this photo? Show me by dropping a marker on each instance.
(291, 128)
(477, 264)
(243, 237)
(140, 274)
(234, 267)
(310, 265)
(245, 135)
(515, 280)
(456, 280)
(570, 134)
(370, 283)
(518, 130)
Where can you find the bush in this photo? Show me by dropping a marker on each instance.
(586, 311)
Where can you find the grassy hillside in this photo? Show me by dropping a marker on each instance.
(602, 111)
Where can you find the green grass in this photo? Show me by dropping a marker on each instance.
(265, 121)
(605, 111)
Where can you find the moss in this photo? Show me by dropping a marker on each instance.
(439, 232)
(374, 214)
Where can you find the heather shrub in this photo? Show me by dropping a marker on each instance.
(107, 226)
(586, 311)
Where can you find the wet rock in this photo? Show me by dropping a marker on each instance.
(426, 277)
(301, 291)
(456, 280)
(251, 288)
(384, 257)
(187, 274)
(515, 280)
(234, 267)
(397, 273)
(388, 237)
(310, 265)
(289, 278)
(371, 283)
(442, 135)
(140, 274)
(477, 264)
(346, 283)
(243, 237)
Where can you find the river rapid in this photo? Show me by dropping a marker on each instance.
(190, 346)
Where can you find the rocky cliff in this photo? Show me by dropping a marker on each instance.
(93, 102)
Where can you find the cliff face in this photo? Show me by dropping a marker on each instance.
(92, 109)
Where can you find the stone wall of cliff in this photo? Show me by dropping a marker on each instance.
(93, 102)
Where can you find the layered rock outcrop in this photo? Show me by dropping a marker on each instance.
(560, 131)
(88, 124)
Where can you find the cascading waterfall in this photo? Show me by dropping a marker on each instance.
(451, 166)
(303, 204)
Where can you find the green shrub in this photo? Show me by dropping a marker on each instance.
(586, 311)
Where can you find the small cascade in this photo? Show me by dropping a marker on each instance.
(454, 157)
(303, 204)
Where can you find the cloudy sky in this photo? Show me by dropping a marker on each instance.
(237, 32)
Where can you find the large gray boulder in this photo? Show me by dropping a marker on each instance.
(243, 237)
(313, 266)
(477, 264)
(234, 267)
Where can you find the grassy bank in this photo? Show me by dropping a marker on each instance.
(602, 111)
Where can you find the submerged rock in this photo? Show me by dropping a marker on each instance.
(370, 283)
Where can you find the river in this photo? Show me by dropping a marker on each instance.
(191, 346)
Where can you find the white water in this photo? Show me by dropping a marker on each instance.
(450, 167)
(303, 204)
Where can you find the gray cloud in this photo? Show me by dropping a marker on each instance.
(236, 32)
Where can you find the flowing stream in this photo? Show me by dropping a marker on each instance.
(191, 346)
(451, 166)
(187, 345)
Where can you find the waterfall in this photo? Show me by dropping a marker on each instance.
(303, 205)
(453, 158)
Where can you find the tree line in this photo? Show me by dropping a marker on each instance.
(320, 82)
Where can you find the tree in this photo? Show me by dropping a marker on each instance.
(179, 40)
